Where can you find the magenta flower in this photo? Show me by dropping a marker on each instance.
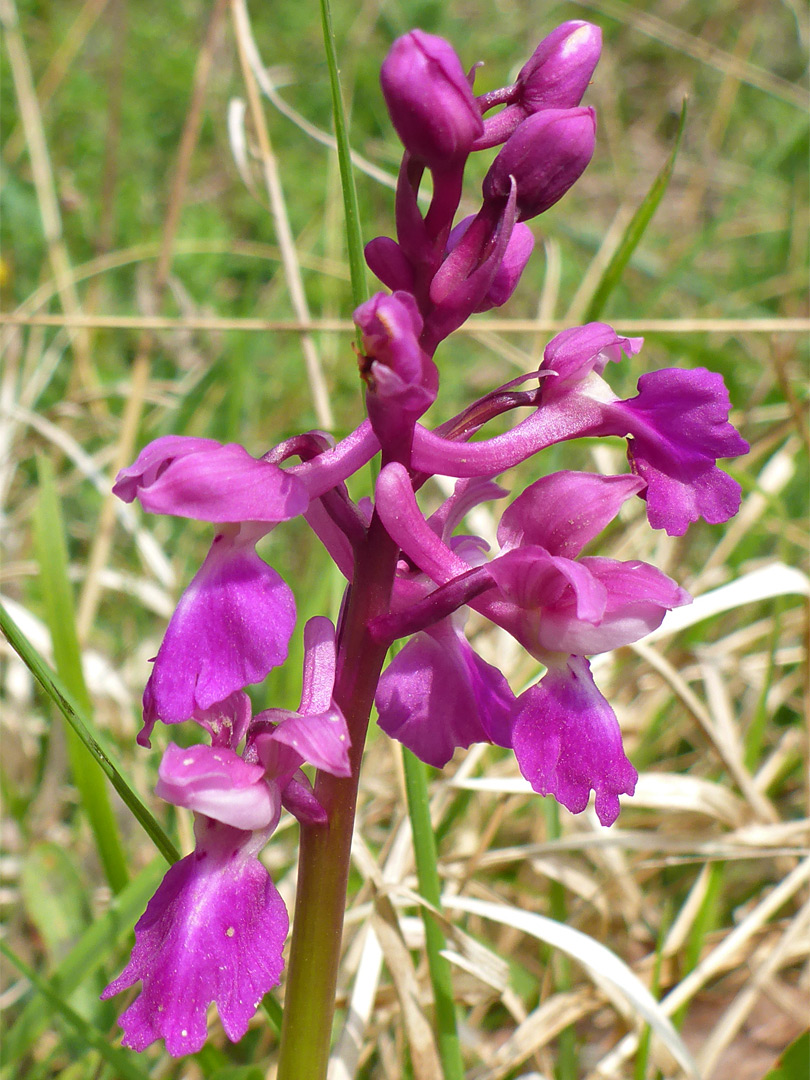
(559, 607)
(215, 928)
(677, 426)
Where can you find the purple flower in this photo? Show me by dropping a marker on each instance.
(231, 626)
(215, 928)
(567, 741)
(560, 607)
(201, 479)
(547, 153)
(677, 425)
(429, 99)
(213, 931)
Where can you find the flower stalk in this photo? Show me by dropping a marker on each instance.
(325, 850)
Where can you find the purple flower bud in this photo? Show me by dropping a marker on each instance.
(560, 68)
(430, 99)
(555, 77)
(389, 262)
(401, 378)
(548, 152)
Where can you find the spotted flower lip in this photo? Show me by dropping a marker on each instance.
(568, 743)
(204, 480)
(213, 931)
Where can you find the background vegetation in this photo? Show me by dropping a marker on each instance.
(145, 218)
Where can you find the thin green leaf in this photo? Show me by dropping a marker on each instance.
(567, 1056)
(424, 847)
(57, 594)
(793, 1063)
(275, 1013)
(88, 954)
(120, 1060)
(57, 691)
(354, 239)
(635, 230)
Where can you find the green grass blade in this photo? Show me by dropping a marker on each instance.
(59, 694)
(424, 847)
(792, 1064)
(567, 1058)
(87, 955)
(57, 594)
(121, 1062)
(354, 239)
(275, 1014)
(635, 230)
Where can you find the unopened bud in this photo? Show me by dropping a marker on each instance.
(430, 100)
(558, 72)
(401, 379)
(546, 154)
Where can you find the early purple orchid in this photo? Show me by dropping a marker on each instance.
(216, 927)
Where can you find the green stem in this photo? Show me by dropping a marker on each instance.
(424, 846)
(325, 851)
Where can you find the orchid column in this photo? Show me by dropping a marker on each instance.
(215, 930)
